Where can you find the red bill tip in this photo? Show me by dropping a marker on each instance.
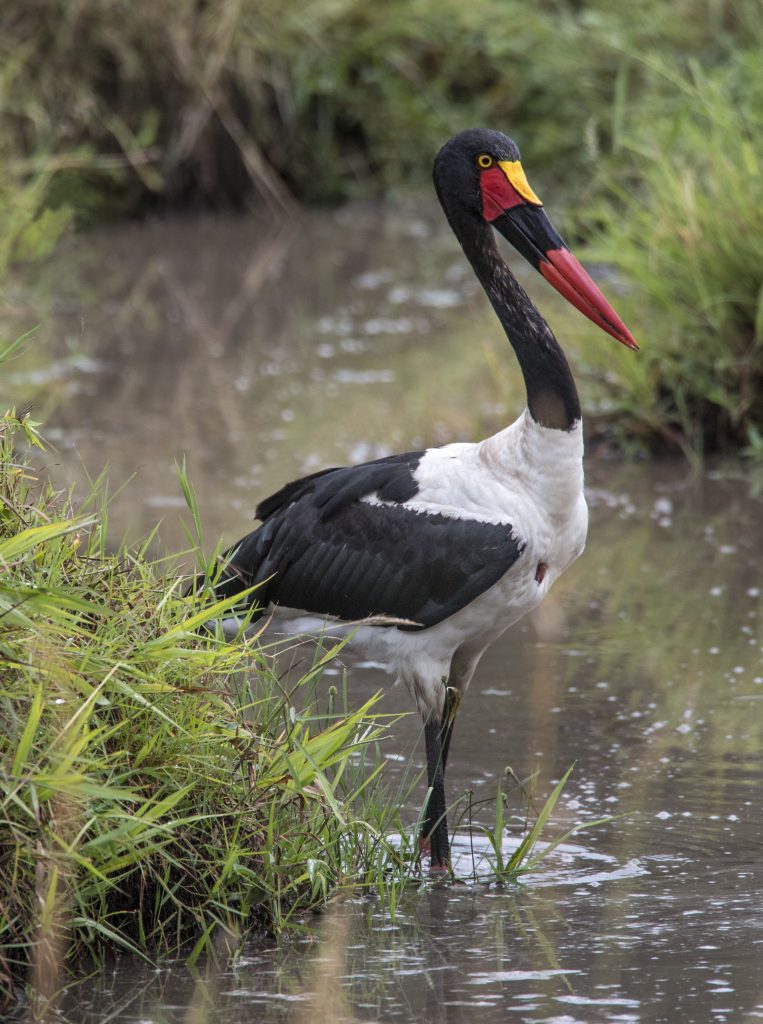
(563, 272)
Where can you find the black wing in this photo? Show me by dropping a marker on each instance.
(323, 550)
(392, 478)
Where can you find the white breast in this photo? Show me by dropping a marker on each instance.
(528, 476)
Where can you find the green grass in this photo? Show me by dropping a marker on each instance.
(529, 851)
(155, 786)
(684, 226)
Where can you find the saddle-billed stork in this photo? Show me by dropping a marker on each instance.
(454, 543)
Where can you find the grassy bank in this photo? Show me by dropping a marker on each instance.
(156, 788)
(682, 221)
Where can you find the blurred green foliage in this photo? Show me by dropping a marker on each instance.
(185, 102)
(650, 114)
(683, 222)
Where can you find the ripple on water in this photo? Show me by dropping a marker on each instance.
(568, 864)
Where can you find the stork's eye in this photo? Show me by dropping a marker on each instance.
(485, 160)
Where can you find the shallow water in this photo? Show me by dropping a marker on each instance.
(262, 354)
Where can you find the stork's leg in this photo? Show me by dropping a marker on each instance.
(434, 832)
(437, 733)
(452, 701)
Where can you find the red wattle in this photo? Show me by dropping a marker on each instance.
(498, 195)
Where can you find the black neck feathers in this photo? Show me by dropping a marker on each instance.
(552, 397)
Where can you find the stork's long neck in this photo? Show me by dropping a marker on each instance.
(552, 397)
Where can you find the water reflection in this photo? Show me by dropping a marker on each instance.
(263, 353)
(257, 351)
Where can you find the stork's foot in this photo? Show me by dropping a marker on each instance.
(439, 858)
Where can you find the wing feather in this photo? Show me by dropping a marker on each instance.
(322, 549)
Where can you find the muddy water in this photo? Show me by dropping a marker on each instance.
(261, 354)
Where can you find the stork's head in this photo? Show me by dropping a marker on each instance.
(479, 178)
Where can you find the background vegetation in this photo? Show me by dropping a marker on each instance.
(649, 116)
(682, 219)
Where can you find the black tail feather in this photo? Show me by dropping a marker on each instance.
(240, 566)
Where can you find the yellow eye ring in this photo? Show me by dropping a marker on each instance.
(484, 160)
